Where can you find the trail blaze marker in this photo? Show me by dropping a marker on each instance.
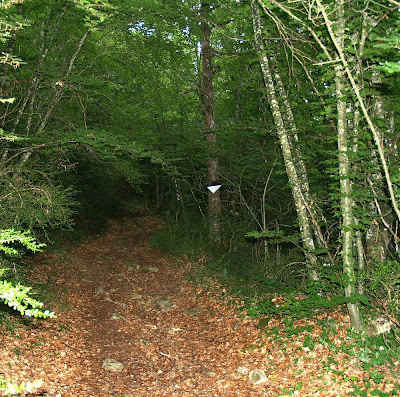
(213, 187)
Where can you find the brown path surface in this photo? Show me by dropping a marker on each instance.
(125, 302)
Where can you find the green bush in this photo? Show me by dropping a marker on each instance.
(29, 202)
(383, 286)
(18, 296)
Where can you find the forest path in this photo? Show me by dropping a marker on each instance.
(123, 301)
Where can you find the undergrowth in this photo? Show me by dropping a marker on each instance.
(234, 264)
(249, 288)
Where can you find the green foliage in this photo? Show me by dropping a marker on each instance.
(274, 237)
(6, 100)
(34, 205)
(188, 237)
(6, 136)
(18, 296)
(389, 46)
(295, 305)
(24, 238)
(11, 22)
(383, 286)
(371, 351)
(129, 124)
(374, 351)
(96, 11)
(9, 388)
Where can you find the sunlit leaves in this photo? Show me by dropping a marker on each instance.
(96, 11)
(18, 296)
(10, 237)
(8, 387)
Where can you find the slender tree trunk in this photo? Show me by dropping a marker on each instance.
(363, 106)
(346, 201)
(288, 156)
(378, 235)
(207, 93)
(30, 113)
(354, 126)
(293, 138)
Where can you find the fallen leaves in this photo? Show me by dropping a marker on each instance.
(167, 336)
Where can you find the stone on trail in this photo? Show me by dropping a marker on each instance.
(257, 376)
(136, 295)
(163, 304)
(192, 312)
(112, 365)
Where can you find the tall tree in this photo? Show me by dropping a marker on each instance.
(345, 53)
(297, 177)
(207, 95)
(346, 201)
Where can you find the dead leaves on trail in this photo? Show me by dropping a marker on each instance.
(129, 324)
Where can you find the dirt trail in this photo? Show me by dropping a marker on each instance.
(133, 305)
(117, 299)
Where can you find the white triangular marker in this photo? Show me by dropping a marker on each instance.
(213, 188)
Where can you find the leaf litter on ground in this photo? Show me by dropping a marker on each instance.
(167, 336)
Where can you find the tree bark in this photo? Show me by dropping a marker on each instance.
(346, 201)
(287, 152)
(207, 93)
(293, 139)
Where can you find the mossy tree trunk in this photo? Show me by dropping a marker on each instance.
(295, 176)
(346, 200)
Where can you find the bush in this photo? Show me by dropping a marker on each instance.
(17, 296)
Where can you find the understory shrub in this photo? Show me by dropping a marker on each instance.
(18, 296)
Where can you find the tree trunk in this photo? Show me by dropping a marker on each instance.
(207, 93)
(354, 125)
(293, 139)
(287, 152)
(378, 235)
(346, 201)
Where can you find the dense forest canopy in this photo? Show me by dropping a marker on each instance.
(291, 106)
